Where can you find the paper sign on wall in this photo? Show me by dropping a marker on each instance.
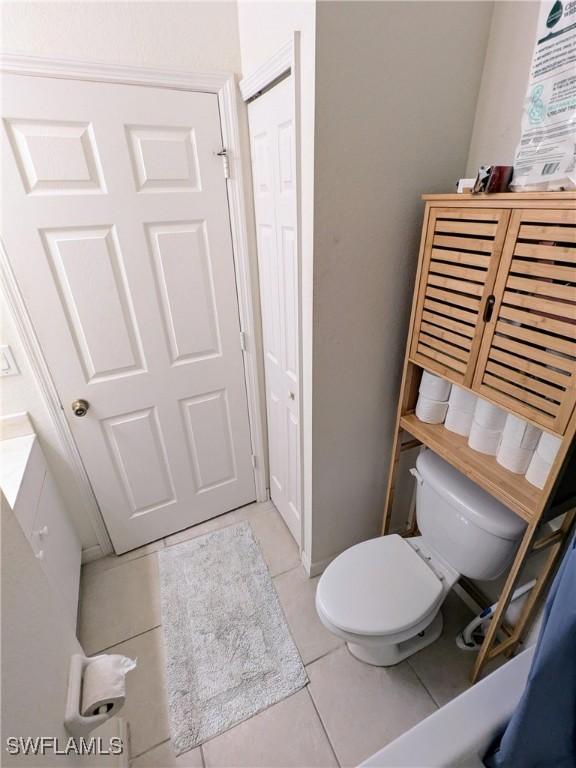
(546, 154)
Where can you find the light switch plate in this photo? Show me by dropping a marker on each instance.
(8, 365)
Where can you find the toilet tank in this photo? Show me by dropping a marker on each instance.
(467, 527)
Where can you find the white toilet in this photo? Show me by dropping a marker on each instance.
(383, 596)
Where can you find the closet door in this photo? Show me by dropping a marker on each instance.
(271, 121)
(461, 254)
(527, 360)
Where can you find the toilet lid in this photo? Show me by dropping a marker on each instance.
(378, 587)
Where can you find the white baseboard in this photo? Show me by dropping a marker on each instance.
(92, 553)
(315, 568)
(265, 506)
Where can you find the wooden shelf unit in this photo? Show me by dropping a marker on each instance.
(512, 490)
(516, 252)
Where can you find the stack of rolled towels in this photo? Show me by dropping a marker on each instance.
(433, 396)
(460, 415)
(519, 439)
(542, 459)
(486, 430)
(518, 446)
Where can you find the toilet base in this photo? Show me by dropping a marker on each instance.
(387, 655)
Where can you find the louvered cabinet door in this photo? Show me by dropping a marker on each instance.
(527, 360)
(460, 261)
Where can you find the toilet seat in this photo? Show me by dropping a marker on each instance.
(379, 587)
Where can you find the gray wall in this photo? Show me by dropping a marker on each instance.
(504, 81)
(396, 91)
(199, 36)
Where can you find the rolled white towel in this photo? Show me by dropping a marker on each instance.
(538, 470)
(483, 439)
(434, 387)
(430, 411)
(548, 446)
(513, 457)
(488, 415)
(518, 432)
(457, 421)
(462, 399)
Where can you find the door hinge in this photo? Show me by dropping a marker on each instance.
(254, 461)
(225, 162)
(243, 341)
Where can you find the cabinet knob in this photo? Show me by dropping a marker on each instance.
(489, 308)
(42, 532)
(39, 555)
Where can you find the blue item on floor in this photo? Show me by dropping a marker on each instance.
(542, 731)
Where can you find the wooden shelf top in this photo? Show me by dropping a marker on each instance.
(502, 196)
(514, 491)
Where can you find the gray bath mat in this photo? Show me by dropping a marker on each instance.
(229, 653)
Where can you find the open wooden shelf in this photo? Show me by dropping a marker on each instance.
(512, 490)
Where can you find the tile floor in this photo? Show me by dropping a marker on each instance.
(348, 711)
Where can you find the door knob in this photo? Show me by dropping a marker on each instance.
(80, 407)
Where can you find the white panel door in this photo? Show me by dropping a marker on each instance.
(275, 197)
(116, 223)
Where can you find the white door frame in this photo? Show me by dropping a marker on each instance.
(286, 61)
(223, 85)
